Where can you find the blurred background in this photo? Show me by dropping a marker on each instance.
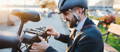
(104, 13)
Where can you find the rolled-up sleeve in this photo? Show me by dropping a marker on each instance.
(51, 49)
(63, 38)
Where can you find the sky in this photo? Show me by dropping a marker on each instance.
(32, 2)
(92, 2)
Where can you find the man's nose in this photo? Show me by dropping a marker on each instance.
(64, 17)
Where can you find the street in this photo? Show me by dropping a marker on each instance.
(54, 21)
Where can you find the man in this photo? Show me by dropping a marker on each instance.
(86, 37)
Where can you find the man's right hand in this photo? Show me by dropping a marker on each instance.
(52, 32)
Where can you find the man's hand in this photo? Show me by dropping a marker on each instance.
(39, 47)
(52, 32)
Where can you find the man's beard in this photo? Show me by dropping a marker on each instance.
(73, 23)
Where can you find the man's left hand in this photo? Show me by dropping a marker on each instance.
(39, 47)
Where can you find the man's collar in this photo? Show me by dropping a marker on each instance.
(81, 24)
